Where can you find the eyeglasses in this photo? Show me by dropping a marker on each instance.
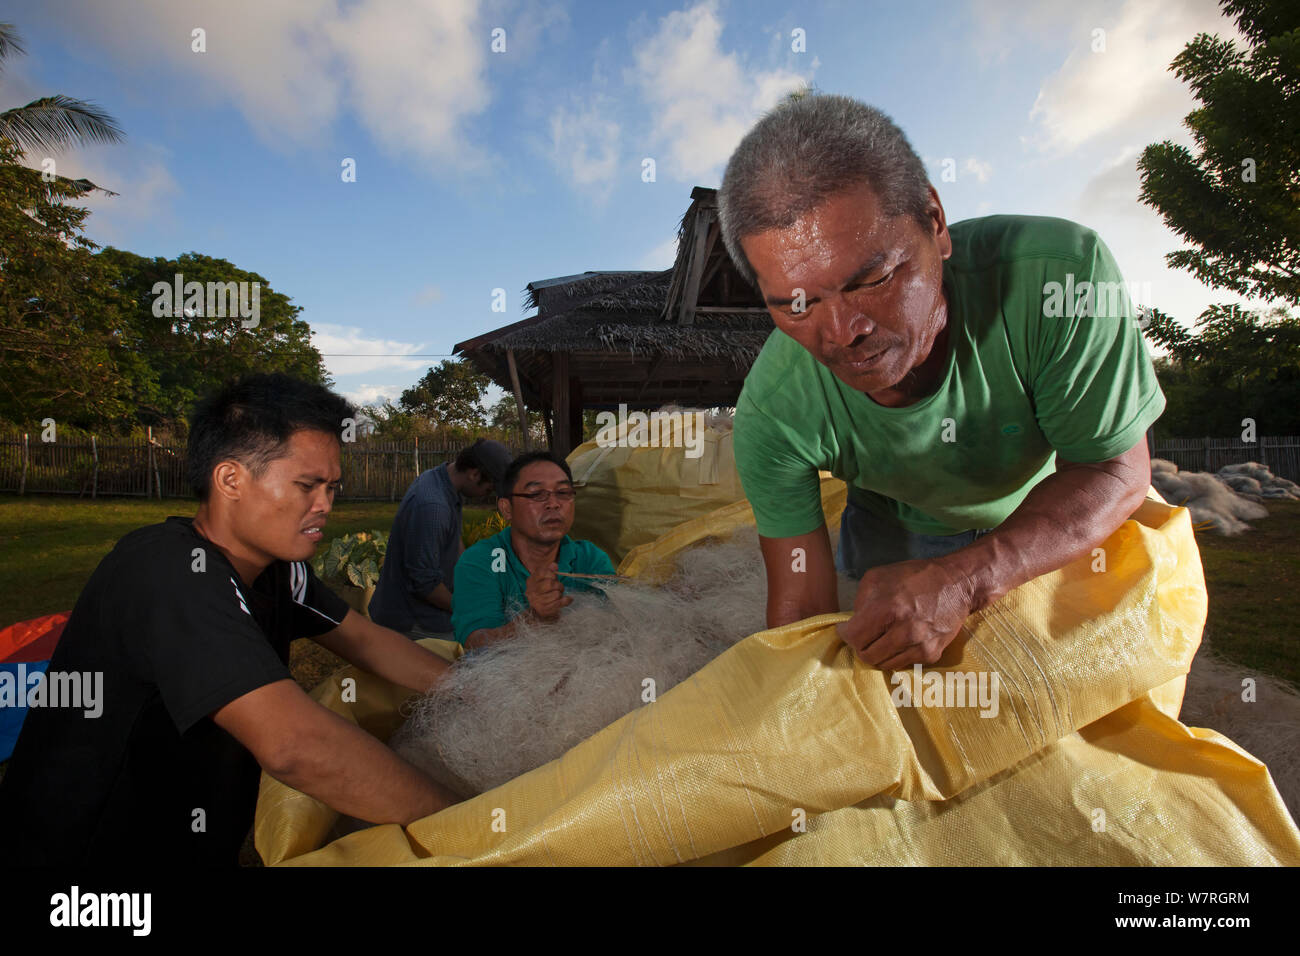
(542, 497)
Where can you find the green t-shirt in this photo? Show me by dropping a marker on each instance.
(1032, 371)
(490, 580)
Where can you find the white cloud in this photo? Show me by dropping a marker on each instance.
(412, 73)
(1001, 28)
(139, 175)
(948, 166)
(1115, 188)
(702, 99)
(1127, 88)
(415, 73)
(531, 29)
(428, 295)
(373, 394)
(348, 351)
(661, 256)
(1139, 240)
(584, 143)
(981, 169)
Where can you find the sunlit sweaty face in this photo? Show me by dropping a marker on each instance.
(541, 506)
(282, 514)
(870, 286)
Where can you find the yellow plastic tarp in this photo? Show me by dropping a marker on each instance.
(630, 496)
(788, 750)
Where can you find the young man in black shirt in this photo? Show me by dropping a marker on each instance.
(189, 624)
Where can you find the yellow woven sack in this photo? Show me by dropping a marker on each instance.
(787, 750)
(631, 496)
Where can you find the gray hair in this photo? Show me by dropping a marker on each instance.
(803, 152)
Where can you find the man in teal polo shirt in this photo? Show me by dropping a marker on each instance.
(522, 571)
(983, 389)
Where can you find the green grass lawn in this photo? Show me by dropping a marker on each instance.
(1254, 585)
(50, 545)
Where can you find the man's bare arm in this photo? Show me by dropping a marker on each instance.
(490, 635)
(793, 595)
(304, 745)
(439, 597)
(546, 598)
(909, 612)
(1065, 516)
(383, 652)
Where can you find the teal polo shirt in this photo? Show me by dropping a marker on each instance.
(490, 580)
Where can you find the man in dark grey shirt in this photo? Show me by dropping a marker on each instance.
(414, 590)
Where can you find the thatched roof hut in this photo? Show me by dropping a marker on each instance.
(687, 334)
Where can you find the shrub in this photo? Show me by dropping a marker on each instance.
(352, 559)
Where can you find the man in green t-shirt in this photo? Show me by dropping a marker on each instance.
(524, 570)
(983, 390)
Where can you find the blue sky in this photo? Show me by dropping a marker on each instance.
(478, 170)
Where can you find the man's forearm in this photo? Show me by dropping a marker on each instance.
(397, 658)
(371, 782)
(385, 653)
(439, 597)
(490, 635)
(1063, 518)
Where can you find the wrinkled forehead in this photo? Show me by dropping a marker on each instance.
(848, 233)
(543, 474)
(313, 453)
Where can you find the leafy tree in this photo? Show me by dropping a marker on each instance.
(59, 319)
(395, 423)
(1236, 364)
(504, 416)
(1237, 201)
(199, 350)
(62, 324)
(449, 395)
(52, 124)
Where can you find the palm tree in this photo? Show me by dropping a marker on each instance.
(54, 123)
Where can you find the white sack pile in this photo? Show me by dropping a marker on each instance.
(1206, 496)
(1254, 481)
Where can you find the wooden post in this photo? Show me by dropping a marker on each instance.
(519, 396)
(1207, 454)
(417, 456)
(575, 411)
(392, 480)
(695, 269)
(561, 443)
(94, 478)
(22, 482)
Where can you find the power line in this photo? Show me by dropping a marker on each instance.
(205, 347)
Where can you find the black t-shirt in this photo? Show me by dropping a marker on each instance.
(176, 636)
